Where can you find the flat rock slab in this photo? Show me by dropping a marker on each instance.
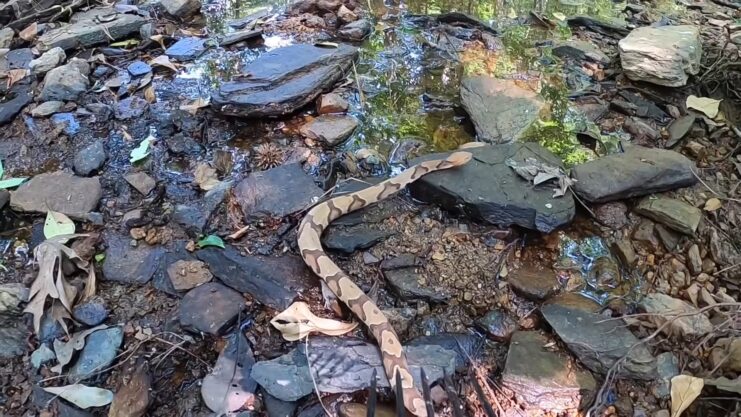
(59, 191)
(599, 343)
(343, 365)
(692, 323)
(126, 264)
(283, 80)
(406, 283)
(501, 110)
(544, 379)
(330, 129)
(276, 192)
(532, 283)
(187, 49)
(664, 55)
(636, 172)
(487, 189)
(210, 308)
(101, 349)
(91, 28)
(675, 214)
(273, 281)
(193, 217)
(350, 239)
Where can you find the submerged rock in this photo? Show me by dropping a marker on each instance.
(636, 172)
(501, 110)
(210, 308)
(664, 55)
(96, 26)
(283, 80)
(532, 283)
(675, 214)
(58, 191)
(330, 129)
(488, 189)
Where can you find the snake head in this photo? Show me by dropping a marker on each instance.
(458, 158)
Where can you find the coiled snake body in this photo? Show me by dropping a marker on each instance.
(309, 235)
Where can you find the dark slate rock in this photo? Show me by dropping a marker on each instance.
(90, 159)
(193, 217)
(576, 301)
(139, 68)
(350, 239)
(273, 281)
(101, 111)
(278, 408)
(91, 313)
(16, 59)
(355, 31)
(675, 214)
(130, 108)
(187, 49)
(544, 379)
(177, 252)
(283, 80)
(679, 128)
(4, 197)
(101, 349)
(181, 144)
(599, 343)
(487, 189)
(406, 283)
(49, 329)
(13, 102)
(276, 192)
(235, 37)
(47, 401)
(346, 364)
(463, 344)
(87, 29)
(210, 308)
(498, 325)
(532, 283)
(636, 172)
(404, 260)
(580, 50)
(13, 336)
(126, 264)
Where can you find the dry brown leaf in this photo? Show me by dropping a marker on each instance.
(712, 204)
(685, 389)
(297, 322)
(16, 75)
(163, 61)
(193, 107)
(29, 33)
(206, 177)
(149, 94)
(160, 39)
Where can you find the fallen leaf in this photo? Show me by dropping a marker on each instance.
(229, 386)
(707, 106)
(210, 240)
(65, 350)
(712, 204)
(141, 151)
(206, 177)
(30, 32)
(16, 75)
(193, 107)
(725, 384)
(82, 395)
(160, 39)
(150, 95)
(685, 389)
(163, 61)
(297, 322)
(12, 182)
(132, 397)
(57, 224)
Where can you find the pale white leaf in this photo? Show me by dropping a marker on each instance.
(297, 321)
(685, 389)
(82, 395)
(707, 106)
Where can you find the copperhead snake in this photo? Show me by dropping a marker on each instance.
(310, 246)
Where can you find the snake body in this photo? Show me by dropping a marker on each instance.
(309, 235)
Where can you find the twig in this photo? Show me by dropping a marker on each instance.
(726, 269)
(239, 233)
(357, 84)
(720, 196)
(582, 203)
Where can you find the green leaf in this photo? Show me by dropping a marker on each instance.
(100, 257)
(12, 182)
(125, 44)
(210, 240)
(141, 151)
(57, 224)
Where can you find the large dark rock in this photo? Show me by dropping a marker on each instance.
(187, 49)
(283, 80)
(99, 25)
(275, 282)
(464, 345)
(13, 102)
(126, 264)
(406, 283)
(58, 191)
(352, 238)
(487, 189)
(210, 308)
(636, 172)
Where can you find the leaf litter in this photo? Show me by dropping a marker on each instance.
(82, 396)
(685, 389)
(297, 322)
(229, 386)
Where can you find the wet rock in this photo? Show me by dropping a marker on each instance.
(278, 408)
(667, 366)
(498, 325)
(96, 26)
(613, 215)
(47, 108)
(210, 308)
(185, 275)
(4, 197)
(47, 61)
(273, 281)
(41, 356)
(463, 344)
(65, 83)
(15, 100)
(624, 251)
(636, 172)
(276, 88)
(664, 55)
(501, 110)
(287, 377)
(400, 318)
(580, 50)
(679, 128)
(6, 37)
(90, 159)
(406, 282)
(662, 308)
(574, 301)
(330, 129)
(187, 49)
(346, 15)
(544, 379)
(510, 200)
(181, 144)
(126, 264)
(139, 68)
(101, 349)
(332, 103)
(130, 108)
(350, 239)
(675, 214)
(276, 192)
(532, 283)
(141, 182)
(91, 313)
(181, 8)
(599, 343)
(194, 217)
(241, 36)
(355, 31)
(58, 191)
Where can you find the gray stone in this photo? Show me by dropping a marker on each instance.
(91, 313)
(662, 308)
(498, 325)
(187, 49)
(6, 37)
(664, 55)
(126, 264)
(679, 128)
(181, 8)
(347, 365)
(236, 37)
(487, 189)
(50, 329)
(283, 80)
(464, 345)
(64, 83)
(675, 214)
(15, 100)
(194, 217)
(575, 301)
(694, 260)
(58, 191)
(580, 50)
(636, 172)
(90, 28)
(13, 336)
(278, 408)
(667, 366)
(139, 68)
(400, 319)
(532, 283)
(276, 192)
(355, 31)
(47, 61)
(210, 308)
(41, 356)
(599, 343)
(101, 111)
(141, 182)
(501, 110)
(47, 108)
(406, 283)
(101, 349)
(330, 129)
(130, 108)
(543, 379)
(331, 103)
(90, 159)
(350, 239)
(16, 59)
(613, 214)
(46, 401)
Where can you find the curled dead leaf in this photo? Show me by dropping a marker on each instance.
(193, 107)
(712, 204)
(163, 61)
(685, 388)
(150, 95)
(206, 177)
(297, 322)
